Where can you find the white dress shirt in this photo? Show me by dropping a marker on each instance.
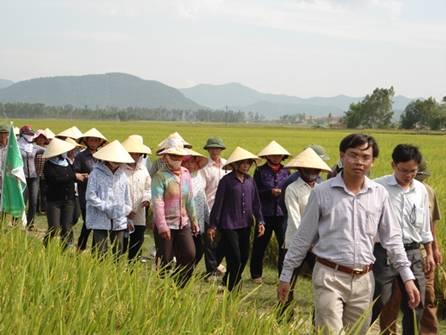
(411, 209)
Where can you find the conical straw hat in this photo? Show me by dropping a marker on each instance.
(57, 147)
(134, 143)
(308, 159)
(93, 132)
(174, 146)
(113, 152)
(200, 159)
(72, 141)
(240, 154)
(72, 132)
(273, 148)
(163, 144)
(49, 134)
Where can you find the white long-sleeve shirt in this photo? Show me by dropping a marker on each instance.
(296, 199)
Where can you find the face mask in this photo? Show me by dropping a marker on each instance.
(28, 138)
(174, 165)
(309, 177)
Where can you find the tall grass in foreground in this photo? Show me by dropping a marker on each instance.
(45, 291)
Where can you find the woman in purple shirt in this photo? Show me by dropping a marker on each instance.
(236, 205)
(269, 179)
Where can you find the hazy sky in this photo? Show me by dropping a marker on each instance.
(297, 47)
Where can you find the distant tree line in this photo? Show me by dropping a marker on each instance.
(375, 111)
(39, 110)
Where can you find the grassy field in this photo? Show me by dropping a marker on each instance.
(45, 291)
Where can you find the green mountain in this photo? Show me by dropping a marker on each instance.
(101, 90)
(5, 83)
(272, 106)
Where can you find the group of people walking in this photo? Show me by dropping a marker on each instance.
(366, 242)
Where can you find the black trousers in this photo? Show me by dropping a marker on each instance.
(59, 215)
(133, 243)
(181, 246)
(100, 241)
(275, 224)
(236, 250)
(31, 196)
(213, 253)
(85, 233)
(385, 274)
(199, 241)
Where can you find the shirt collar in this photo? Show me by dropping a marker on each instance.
(391, 181)
(338, 181)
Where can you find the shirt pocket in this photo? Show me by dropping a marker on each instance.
(419, 217)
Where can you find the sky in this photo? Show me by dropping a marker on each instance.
(296, 47)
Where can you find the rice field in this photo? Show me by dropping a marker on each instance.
(46, 291)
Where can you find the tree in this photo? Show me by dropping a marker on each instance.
(374, 111)
(421, 112)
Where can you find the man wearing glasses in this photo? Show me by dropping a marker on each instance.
(411, 206)
(340, 222)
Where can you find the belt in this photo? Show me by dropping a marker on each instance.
(356, 271)
(412, 246)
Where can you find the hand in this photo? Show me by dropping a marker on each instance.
(438, 257)
(429, 264)
(131, 215)
(276, 192)
(81, 176)
(261, 230)
(195, 228)
(282, 291)
(211, 233)
(413, 293)
(165, 235)
(130, 227)
(145, 204)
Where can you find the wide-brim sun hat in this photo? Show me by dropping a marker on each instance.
(273, 148)
(308, 159)
(174, 146)
(4, 128)
(72, 132)
(174, 136)
(240, 154)
(93, 132)
(201, 160)
(319, 149)
(49, 133)
(113, 152)
(72, 141)
(135, 144)
(214, 142)
(57, 147)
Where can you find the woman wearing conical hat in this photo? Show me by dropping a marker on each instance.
(194, 162)
(269, 179)
(160, 163)
(83, 164)
(236, 206)
(108, 198)
(140, 193)
(174, 214)
(309, 165)
(60, 178)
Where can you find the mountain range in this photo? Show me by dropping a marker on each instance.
(124, 90)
